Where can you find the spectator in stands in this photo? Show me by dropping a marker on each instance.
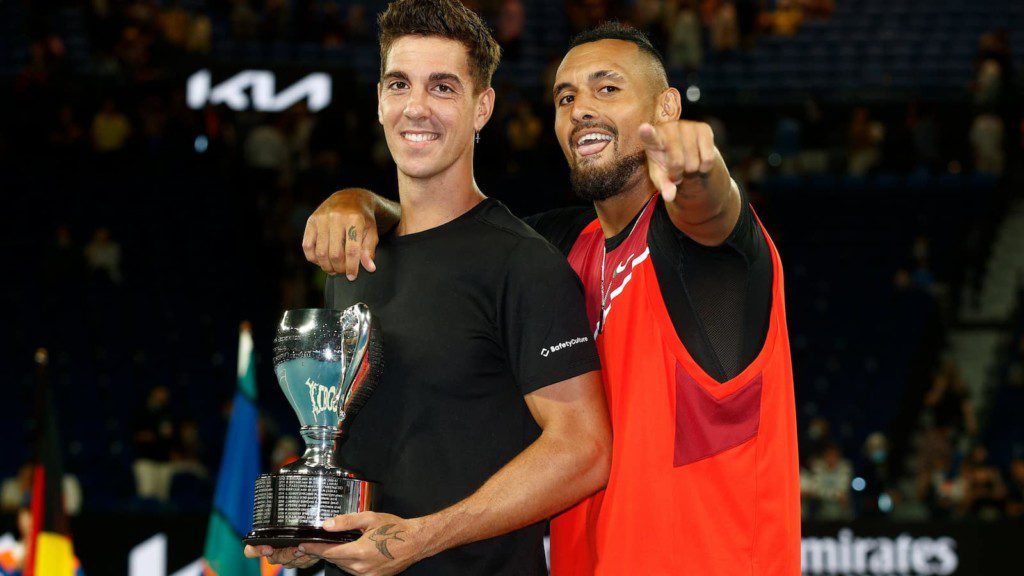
(985, 491)
(786, 19)
(16, 492)
(63, 274)
(47, 57)
(187, 448)
(988, 83)
(724, 28)
(864, 140)
(1015, 369)
(186, 473)
(1015, 490)
(487, 9)
(817, 8)
(936, 445)
(295, 281)
(140, 13)
(902, 280)
(276, 20)
(199, 34)
(64, 262)
(332, 26)
(509, 31)
(155, 431)
(133, 50)
(524, 132)
(524, 128)
(173, 22)
(787, 144)
(748, 14)
(685, 48)
(949, 403)
(922, 275)
(153, 120)
(995, 64)
(103, 255)
(67, 135)
(876, 470)
(245, 22)
(357, 29)
(299, 125)
(268, 154)
(830, 479)
(817, 437)
(814, 138)
(937, 487)
(586, 13)
(986, 137)
(647, 15)
(107, 67)
(110, 129)
(720, 131)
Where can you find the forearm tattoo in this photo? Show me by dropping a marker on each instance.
(381, 536)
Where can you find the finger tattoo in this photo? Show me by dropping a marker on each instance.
(381, 536)
(352, 233)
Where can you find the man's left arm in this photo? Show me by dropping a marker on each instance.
(701, 198)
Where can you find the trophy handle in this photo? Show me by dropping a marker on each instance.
(361, 353)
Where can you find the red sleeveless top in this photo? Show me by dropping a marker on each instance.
(704, 477)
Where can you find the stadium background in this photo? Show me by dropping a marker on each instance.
(879, 140)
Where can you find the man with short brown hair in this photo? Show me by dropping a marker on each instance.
(490, 415)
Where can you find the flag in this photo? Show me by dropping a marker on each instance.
(231, 518)
(49, 550)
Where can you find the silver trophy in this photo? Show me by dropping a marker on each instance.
(327, 363)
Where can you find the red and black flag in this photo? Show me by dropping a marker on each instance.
(49, 551)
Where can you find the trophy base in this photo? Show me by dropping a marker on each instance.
(291, 536)
(289, 506)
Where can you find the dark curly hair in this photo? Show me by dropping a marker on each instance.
(613, 30)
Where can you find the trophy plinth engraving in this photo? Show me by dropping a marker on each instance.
(327, 364)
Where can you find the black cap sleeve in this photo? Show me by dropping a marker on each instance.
(543, 318)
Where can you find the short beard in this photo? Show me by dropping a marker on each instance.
(602, 183)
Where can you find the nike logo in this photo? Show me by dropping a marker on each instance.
(622, 266)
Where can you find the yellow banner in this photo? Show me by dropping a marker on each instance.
(54, 556)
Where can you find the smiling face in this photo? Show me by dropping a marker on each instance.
(604, 91)
(428, 107)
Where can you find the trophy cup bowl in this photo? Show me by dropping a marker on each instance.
(327, 363)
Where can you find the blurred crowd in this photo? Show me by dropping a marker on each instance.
(951, 473)
(130, 116)
(136, 38)
(683, 29)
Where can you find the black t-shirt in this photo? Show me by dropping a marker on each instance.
(474, 314)
(718, 297)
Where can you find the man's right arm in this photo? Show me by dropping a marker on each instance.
(343, 231)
